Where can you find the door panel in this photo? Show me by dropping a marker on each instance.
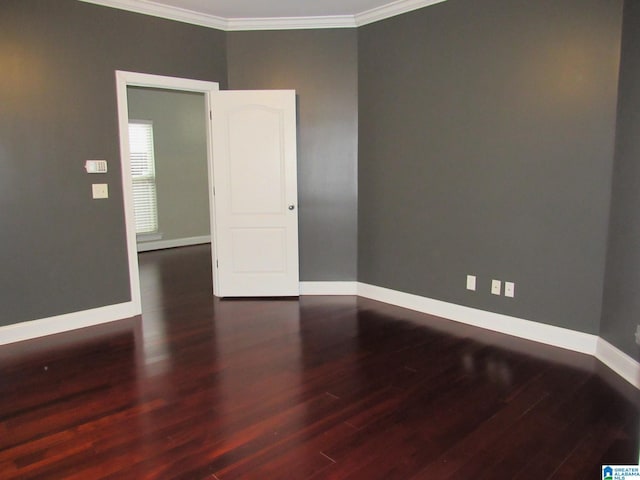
(254, 159)
(255, 145)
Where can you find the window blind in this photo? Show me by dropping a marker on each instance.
(143, 173)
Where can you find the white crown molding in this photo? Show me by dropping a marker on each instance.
(148, 7)
(391, 10)
(154, 9)
(290, 23)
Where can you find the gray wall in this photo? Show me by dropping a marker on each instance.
(60, 250)
(486, 136)
(321, 65)
(180, 147)
(621, 309)
(486, 143)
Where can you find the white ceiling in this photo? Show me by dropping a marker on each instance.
(275, 8)
(270, 14)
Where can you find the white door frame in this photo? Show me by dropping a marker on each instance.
(126, 79)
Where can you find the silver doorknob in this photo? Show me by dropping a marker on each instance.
(291, 207)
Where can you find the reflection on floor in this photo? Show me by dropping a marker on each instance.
(321, 387)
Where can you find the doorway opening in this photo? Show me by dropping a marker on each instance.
(168, 155)
(149, 83)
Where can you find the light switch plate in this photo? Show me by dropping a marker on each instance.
(100, 190)
(496, 287)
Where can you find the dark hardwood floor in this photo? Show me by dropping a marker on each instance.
(322, 388)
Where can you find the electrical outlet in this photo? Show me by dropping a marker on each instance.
(471, 282)
(509, 289)
(638, 335)
(496, 287)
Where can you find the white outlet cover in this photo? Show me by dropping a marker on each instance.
(509, 289)
(471, 282)
(496, 287)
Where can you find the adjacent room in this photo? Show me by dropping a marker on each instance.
(457, 206)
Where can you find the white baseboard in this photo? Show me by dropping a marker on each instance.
(619, 362)
(69, 321)
(538, 332)
(328, 288)
(178, 242)
(612, 357)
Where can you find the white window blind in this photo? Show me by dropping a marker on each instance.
(143, 173)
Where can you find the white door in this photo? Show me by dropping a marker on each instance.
(255, 193)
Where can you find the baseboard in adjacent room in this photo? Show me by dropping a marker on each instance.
(178, 242)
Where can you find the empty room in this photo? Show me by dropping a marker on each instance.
(353, 239)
